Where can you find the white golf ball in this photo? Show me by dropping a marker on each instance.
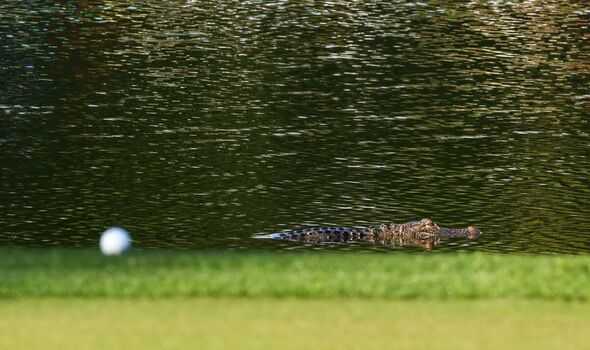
(114, 241)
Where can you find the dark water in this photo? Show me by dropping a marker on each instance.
(197, 124)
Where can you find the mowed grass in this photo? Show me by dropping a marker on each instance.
(161, 299)
(83, 273)
(262, 323)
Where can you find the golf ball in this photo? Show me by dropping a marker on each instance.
(114, 241)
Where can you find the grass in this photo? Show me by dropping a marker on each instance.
(159, 299)
(263, 323)
(81, 273)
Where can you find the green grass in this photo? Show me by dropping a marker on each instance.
(262, 323)
(159, 299)
(82, 273)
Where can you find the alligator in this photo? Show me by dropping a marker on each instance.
(424, 233)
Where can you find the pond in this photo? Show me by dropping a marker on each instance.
(198, 124)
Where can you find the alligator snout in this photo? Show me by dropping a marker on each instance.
(473, 232)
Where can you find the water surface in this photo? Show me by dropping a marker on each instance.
(197, 124)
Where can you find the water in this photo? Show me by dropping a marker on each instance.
(197, 124)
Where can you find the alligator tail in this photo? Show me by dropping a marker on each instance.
(322, 234)
(275, 235)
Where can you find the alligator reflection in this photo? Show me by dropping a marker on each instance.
(424, 233)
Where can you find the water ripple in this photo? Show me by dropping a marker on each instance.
(196, 125)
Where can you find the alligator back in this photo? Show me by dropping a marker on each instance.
(386, 233)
